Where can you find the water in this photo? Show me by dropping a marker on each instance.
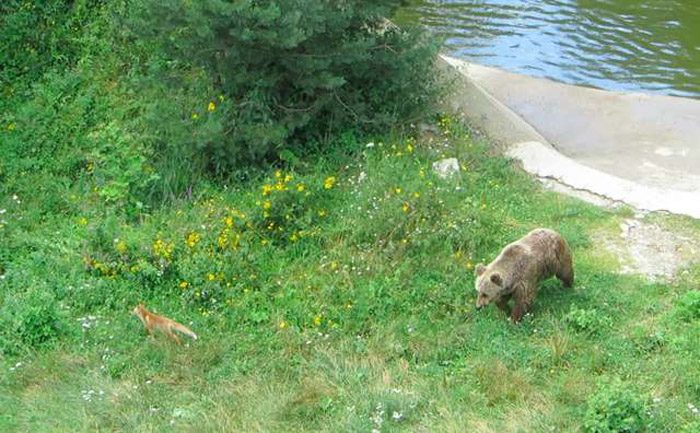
(637, 45)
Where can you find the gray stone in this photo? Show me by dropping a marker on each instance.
(446, 168)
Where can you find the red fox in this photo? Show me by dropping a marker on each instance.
(153, 321)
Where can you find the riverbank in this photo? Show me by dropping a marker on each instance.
(633, 148)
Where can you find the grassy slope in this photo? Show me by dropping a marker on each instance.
(359, 315)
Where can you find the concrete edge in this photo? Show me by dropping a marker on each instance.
(519, 140)
(545, 162)
(484, 111)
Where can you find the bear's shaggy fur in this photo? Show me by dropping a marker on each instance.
(519, 269)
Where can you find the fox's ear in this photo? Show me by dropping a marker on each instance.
(480, 269)
(496, 279)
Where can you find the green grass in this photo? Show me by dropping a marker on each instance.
(359, 315)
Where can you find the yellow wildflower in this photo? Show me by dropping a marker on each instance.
(211, 106)
(211, 277)
(334, 265)
(278, 174)
(283, 324)
(183, 284)
(469, 265)
(163, 249)
(301, 187)
(264, 242)
(267, 204)
(266, 189)
(409, 148)
(421, 173)
(322, 213)
(192, 239)
(404, 207)
(416, 194)
(288, 177)
(397, 190)
(82, 221)
(317, 320)
(195, 116)
(12, 126)
(328, 183)
(229, 221)
(294, 237)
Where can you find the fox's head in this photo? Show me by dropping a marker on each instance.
(489, 285)
(138, 309)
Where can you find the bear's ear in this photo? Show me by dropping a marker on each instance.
(480, 269)
(497, 280)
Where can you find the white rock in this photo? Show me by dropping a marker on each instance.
(447, 167)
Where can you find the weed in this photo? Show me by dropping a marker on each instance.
(688, 307)
(615, 408)
(588, 321)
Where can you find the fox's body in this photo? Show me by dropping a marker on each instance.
(153, 321)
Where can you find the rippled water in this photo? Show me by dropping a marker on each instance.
(644, 45)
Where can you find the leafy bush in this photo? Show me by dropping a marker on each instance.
(615, 409)
(36, 34)
(689, 306)
(588, 321)
(118, 164)
(29, 320)
(292, 71)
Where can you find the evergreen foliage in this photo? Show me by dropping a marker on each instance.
(291, 73)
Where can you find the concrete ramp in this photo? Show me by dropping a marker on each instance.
(639, 149)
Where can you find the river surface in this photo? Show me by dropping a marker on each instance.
(636, 45)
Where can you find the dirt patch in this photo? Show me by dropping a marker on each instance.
(648, 249)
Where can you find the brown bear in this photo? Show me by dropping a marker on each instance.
(519, 269)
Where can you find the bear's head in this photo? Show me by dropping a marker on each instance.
(489, 285)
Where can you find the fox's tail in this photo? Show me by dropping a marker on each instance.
(184, 330)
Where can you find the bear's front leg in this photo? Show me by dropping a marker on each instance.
(523, 300)
(502, 304)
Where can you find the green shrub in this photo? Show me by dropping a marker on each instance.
(615, 409)
(29, 320)
(689, 306)
(119, 166)
(36, 34)
(587, 321)
(291, 71)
